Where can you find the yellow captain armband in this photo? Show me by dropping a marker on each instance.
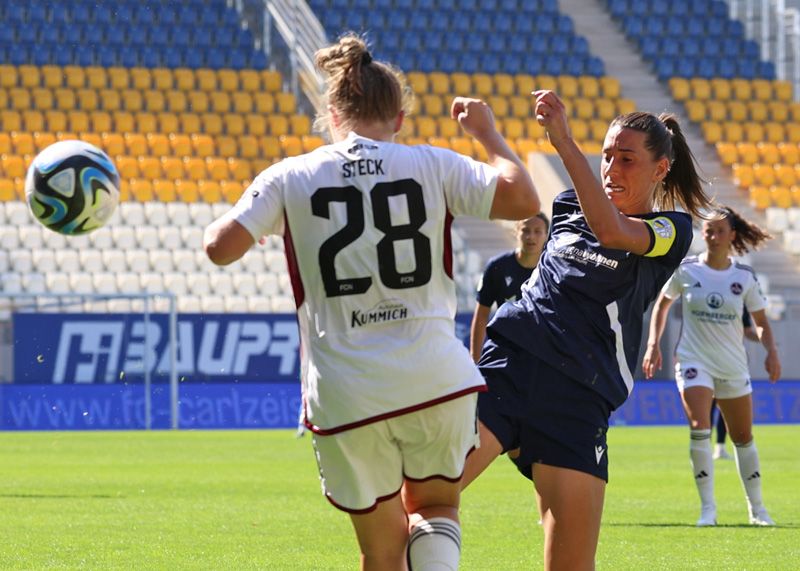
(664, 233)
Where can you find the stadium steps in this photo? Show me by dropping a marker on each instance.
(640, 84)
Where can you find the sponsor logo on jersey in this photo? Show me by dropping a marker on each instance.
(389, 310)
(359, 146)
(736, 288)
(690, 373)
(598, 453)
(715, 300)
(697, 284)
(509, 279)
(586, 257)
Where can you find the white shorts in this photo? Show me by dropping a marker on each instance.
(693, 375)
(360, 467)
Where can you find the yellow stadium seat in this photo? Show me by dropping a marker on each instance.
(782, 90)
(91, 138)
(310, 142)
(242, 102)
(716, 111)
(754, 132)
(732, 132)
(278, 125)
(119, 78)
(195, 168)
(743, 175)
(680, 88)
(610, 87)
(5, 142)
(605, 109)
(158, 143)
(211, 123)
(209, 191)
(231, 190)
(172, 167)
(762, 89)
(190, 123)
(42, 98)
(186, 190)
(300, 124)
(757, 110)
(447, 127)
(482, 84)
(438, 142)
(184, 79)
(461, 83)
(512, 128)
(132, 100)
(580, 129)
(176, 101)
(141, 189)
(793, 132)
(764, 174)
(499, 105)
(696, 110)
(101, 121)
(521, 106)
(150, 167)
(625, 106)
(248, 146)
(136, 144)
(146, 122)
(29, 76)
(33, 121)
(720, 89)
(256, 124)
(418, 82)
(198, 101)
(774, 132)
(524, 84)
(113, 143)
(747, 152)
(233, 124)
(583, 108)
(124, 121)
(463, 145)
(93, 77)
(426, 127)
(503, 84)
(270, 145)
(533, 130)
(20, 98)
(589, 86)
(271, 80)
(44, 140)
(778, 111)
(78, 121)
(164, 190)
(220, 101)
(154, 101)
(780, 196)
(162, 78)
(181, 144)
(11, 121)
(760, 197)
(439, 83)
(699, 88)
(544, 81)
(87, 99)
(597, 130)
(3, 98)
(264, 102)
(789, 153)
(141, 78)
(227, 79)
(567, 86)
(8, 75)
(168, 122)
(13, 166)
(203, 145)
(128, 167)
(784, 175)
(22, 143)
(227, 146)
(249, 80)
(66, 135)
(65, 99)
(286, 102)
(240, 169)
(7, 191)
(737, 110)
(206, 79)
(291, 145)
(742, 89)
(260, 165)
(110, 100)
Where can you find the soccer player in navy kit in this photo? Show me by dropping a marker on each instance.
(558, 361)
(505, 274)
(710, 356)
(389, 391)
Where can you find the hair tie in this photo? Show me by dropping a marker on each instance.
(366, 59)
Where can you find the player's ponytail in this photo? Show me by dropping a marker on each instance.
(749, 236)
(664, 138)
(358, 88)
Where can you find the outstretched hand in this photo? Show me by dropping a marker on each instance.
(552, 115)
(474, 116)
(652, 361)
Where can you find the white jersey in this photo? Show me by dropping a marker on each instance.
(366, 226)
(713, 305)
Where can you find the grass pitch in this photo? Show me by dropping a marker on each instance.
(251, 500)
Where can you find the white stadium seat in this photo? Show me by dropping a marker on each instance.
(152, 281)
(11, 282)
(793, 215)
(178, 214)
(120, 305)
(44, 260)
(183, 260)
(201, 213)
(274, 261)
(146, 237)
(221, 283)
(791, 241)
(57, 282)
(283, 304)
(9, 237)
(259, 304)
(104, 282)
(80, 282)
(198, 283)
(285, 283)
(34, 282)
(114, 261)
(18, 213)
(137, 261)
(156, 213)
(212, 304)
(128, 282)
(267, 284)
(235, 304)
(189, 304)
(170, 237)
(21, 261)
(175, 282)
(244, 284)
(777, 219)
(202, 262)
(4, 263)
(219, 208)
(124, 237)
(102, 238)
(91, 260)
(253, 260)
(192, 237)
(161, 260)
(131, 214)
(31, 236)
(54, 240)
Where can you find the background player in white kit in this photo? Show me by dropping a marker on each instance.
(710, 356)
(389, 391)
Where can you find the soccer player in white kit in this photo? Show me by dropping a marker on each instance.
(710, 356)
(389, 391)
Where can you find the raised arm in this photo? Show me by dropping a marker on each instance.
(225, 241)
(652, 357)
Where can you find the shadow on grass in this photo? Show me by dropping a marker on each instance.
(57, 496)
(690, 525)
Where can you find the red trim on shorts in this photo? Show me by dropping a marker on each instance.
(440, 476)
(291, 263)
(336, 429)
(448, 245)
(365, 510)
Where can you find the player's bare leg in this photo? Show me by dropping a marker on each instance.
(433, 525)
(573, 507)
(382, 536)
(480, 458)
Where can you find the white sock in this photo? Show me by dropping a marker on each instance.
(702, 464)
(434, 545)
(750, 473)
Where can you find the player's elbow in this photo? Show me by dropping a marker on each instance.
(516, 200)
(216, 253)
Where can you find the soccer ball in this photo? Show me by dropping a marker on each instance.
(72, 187)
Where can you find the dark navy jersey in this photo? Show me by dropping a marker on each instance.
(582, 309)
(502, 280)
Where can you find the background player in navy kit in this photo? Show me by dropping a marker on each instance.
(389, 391)
(558, 361)
(505, 274)
(711, 360)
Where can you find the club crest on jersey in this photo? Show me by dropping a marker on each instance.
(715, 300)
(663, 227)
(387, 310)
(690, 373)
(736, 288)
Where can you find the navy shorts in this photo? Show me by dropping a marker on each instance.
(552, 418)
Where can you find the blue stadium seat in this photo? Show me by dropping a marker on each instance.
(483, 22)
(433, 41)
(579, 45)
(418, 20)
(531, 66)
(230, 18)
(193, 59)
(679, 7)
(84, 55)
(447, 62)
(650, 47)
(461, 22)
(397, 20)
(73, 33)
(654, 27)
(181, 35)
(595, 67)
(406, 61)
(726, 68)
(117, 35)
(490, 63)
(168, 14)
(382, 4)
(172, 57)
(244, 38)
(659, 9)
(258, 60)
(747, 68)
(224, 36)
(523, 25)
(188, 15)
(41, 55)
(716, 26)
(766, 69)
(427, 65)
(8, 36)
(735, 28)
(750, 49)
(618, 8)
(700, 7)
(719, 9)
(550, 6)
(731, 46)
(28, 34)
(150, 56)
(361, 4)
(107, 57)
(454, 42)
(554, 65)
(375, 21)
(412, 41)
(468, 62)
(503, 22)
(518, 43)
(695, 27)
(404, 4)
(79, 12)
(539, 45)
(559, 44)
(669, 47)
(674, 26)
(123, 13)
(16, 13)
(60, 13)
(689, 46)
(565, 25)
(447, 5)
(638, 7)
(664, 68)
(545, 23)
(710, 47)
(158, 35)
(215, 58)
(211, 16)
(633, 26)
(496, 43)
(102, 14)
(573, 65)
(705, 68)
(390, 40)
(202, 37)
(685, 67)
(144, 14)
(340, 4)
